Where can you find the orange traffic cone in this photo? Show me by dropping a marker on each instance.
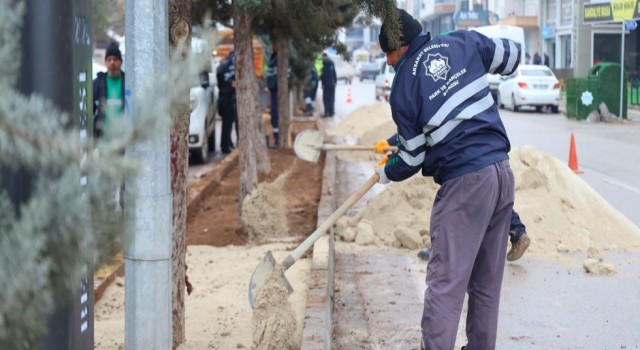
(573, 157)
(349, 95)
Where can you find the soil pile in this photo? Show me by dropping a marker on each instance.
(264, 212)
(563, 214)
(274, 321)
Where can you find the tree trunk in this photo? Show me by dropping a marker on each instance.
(179, 31)
(283, 92)
(252, 145)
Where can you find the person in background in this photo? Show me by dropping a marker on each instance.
(272, 86)
(329, 80)
(449, 127)
(527, 58)
(311, 90)
(546, 60)
(226, 77)
(537, 59)
(109, 103)
(108, 93)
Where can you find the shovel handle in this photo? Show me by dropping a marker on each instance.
(304, 246)
(330, 147)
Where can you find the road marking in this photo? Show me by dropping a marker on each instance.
(623, 185)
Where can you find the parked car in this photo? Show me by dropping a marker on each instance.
(530, 85)
(344, 70)
(369, 70)
(384, 80)
(202, 120)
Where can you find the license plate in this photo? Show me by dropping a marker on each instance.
(540, 87)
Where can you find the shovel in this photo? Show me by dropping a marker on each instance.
(309, 144)
(264, 269)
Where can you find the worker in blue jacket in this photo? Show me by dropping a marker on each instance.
(449, 128)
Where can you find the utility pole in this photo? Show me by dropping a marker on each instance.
(148, 201)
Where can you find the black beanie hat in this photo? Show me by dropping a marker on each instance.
(113, 50)
(409, 26)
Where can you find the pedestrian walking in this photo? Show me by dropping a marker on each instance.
(449, 128)
(227, 107)
(310, 91)
(329, 80)
(108, 94)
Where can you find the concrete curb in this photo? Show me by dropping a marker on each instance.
(196, 192)
(318, 326)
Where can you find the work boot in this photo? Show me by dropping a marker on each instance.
(518, 248)
(424, 254)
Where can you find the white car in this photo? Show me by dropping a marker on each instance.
(344, 70)
(202, 120)
(530, 85)
(384, 80)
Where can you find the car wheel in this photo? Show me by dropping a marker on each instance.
(201, 156)
(513, 103)
(555, 109)
(500, 104)
(539, 109)
(212, 141)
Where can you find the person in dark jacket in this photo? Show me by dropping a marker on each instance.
(449, 128)
(272, 85)
(546, 60)
(329, 80)
(108, 93)
(226, 77)
(311, 90)
(537, 59)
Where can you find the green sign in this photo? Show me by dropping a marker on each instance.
(614, 11)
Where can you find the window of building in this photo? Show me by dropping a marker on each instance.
(565, 51)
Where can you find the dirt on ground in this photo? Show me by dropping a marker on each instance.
(220, 206)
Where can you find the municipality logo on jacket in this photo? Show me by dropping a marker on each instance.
(437, 66)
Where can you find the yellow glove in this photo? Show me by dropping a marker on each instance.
(381, 147)
(380, 170)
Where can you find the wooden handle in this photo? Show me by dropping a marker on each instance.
(329, 147)
(304, 246)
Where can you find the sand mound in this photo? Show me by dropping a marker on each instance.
(264, 213)
(274, 321)
(362, 119)
(563, 214)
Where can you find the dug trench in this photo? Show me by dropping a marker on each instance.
(216, 220)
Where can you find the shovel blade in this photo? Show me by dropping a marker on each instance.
(308, 145)
(261, 274)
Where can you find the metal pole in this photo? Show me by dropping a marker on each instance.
(621, 71)
(148, 200)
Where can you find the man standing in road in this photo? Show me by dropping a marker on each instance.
(449, 128)
(108, 94)
(329, 80)
(226, 77)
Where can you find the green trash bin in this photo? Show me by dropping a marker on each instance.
(582, 96)
(607, 76)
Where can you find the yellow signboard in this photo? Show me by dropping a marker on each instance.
(623, 10)
(608, 12)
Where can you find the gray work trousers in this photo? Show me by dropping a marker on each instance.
(469, 235)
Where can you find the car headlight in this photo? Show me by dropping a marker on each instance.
(193, 103)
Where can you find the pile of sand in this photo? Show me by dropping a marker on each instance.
(264, 212)
(362, 119)
(217, 314)
(274, 321)
(563, 214)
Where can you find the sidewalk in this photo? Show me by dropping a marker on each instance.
(197, 188)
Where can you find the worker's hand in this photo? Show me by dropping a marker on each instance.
(380, 170)
(381, 146)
